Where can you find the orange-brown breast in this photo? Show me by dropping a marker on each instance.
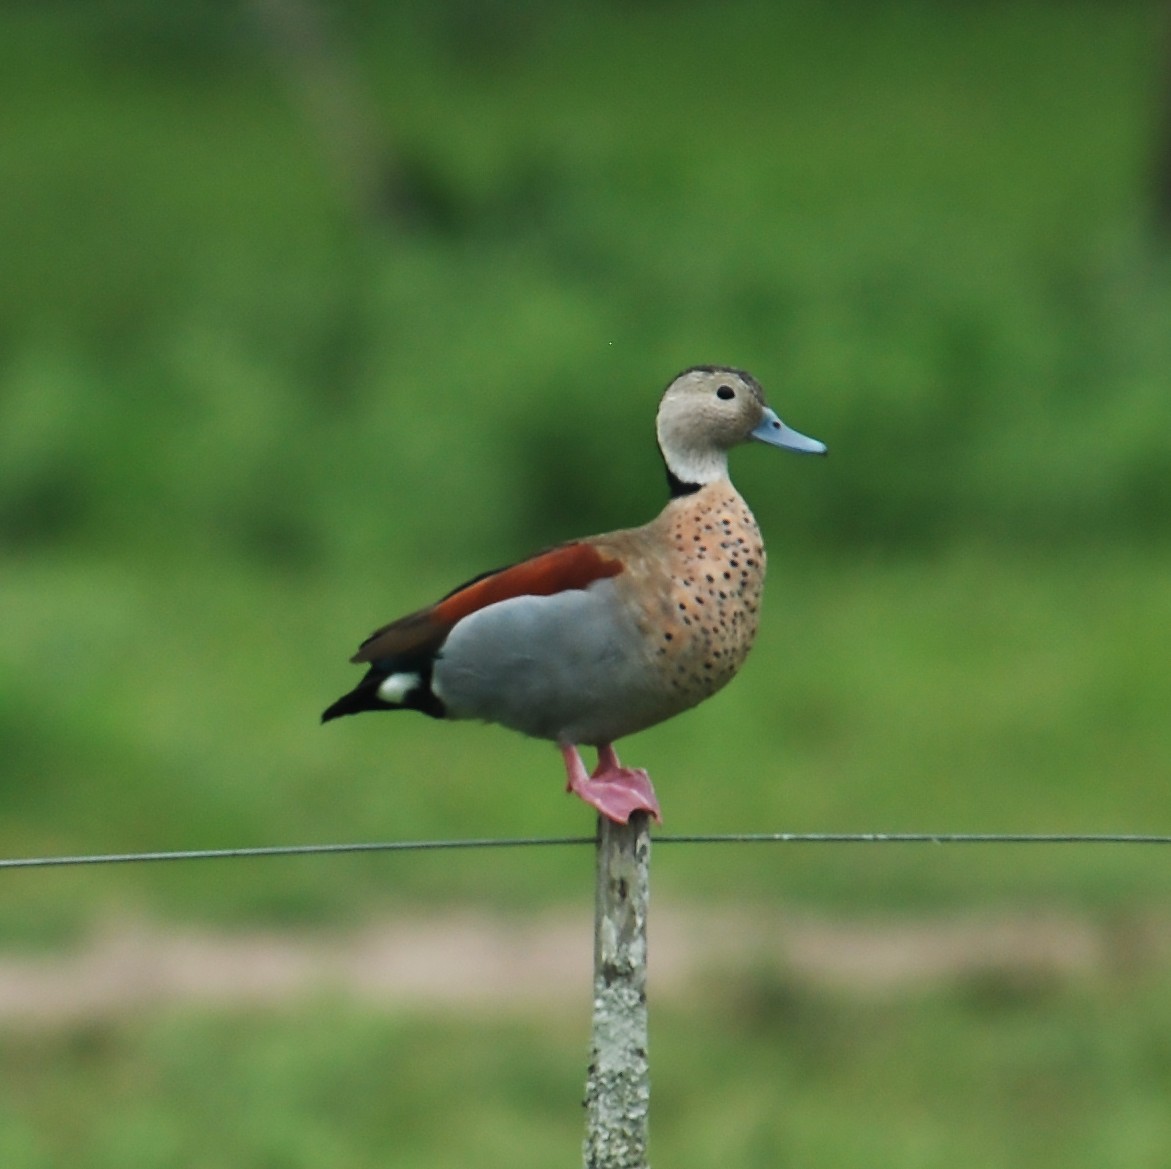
(696, 575)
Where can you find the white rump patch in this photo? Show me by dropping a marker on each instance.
(395, 687)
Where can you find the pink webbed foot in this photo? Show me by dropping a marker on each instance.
(615, 791)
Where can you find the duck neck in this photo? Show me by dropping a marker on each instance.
(687, 473)
(676, 486)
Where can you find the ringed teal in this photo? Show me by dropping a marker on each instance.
(598, 638)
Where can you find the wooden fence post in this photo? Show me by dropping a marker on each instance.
(618, 1084)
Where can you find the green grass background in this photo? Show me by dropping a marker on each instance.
(245, 417)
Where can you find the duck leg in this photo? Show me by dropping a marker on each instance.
(615, 791)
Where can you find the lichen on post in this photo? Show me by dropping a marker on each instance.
(618, 1084)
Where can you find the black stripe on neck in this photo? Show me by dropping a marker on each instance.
(678, 488)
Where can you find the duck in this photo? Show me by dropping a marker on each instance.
(599, 638)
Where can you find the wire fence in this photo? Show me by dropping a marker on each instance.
(617, 1083)
(384, 846)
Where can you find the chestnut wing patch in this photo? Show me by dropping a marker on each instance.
(420, 634)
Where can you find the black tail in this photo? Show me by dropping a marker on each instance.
(417, 695)
(364, 696)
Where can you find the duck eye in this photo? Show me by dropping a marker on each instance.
(726, 393)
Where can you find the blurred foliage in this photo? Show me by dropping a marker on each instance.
(761, 1073)
(921, 225)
